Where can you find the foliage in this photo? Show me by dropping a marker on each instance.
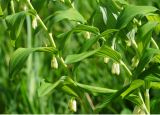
(94, 56)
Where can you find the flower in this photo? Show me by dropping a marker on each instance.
(116, 68)
(54, 63)
(72, 105)
(106, 60)
(135, 61)
(34, 22)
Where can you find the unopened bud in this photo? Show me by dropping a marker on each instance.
(34, 22)
(25, 7)
(135, 61)
(116, 68)
(128, 43)
(87, 35)
(54, 63)
(72, 105)
(106, 60)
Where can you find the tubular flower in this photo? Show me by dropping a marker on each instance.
(72, 105)
(116, 68)
(135, 61)
(54, 63)
(34, 23)
(106, 60)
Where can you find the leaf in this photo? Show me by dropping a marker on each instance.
(90, 42)
(70, 14)
(134, 99)
(15, 22)
(78, 57)
(152, 78)
(108, 32)
(1, 12)
(20, 56)
(144, 35)
(145, 59)
(155, 18)
(94, 89)
(47, 88)
(111, 98)
(106, 51)
(155, 85)
(134, 85)
(69, 90)
(80, 28)
(130, 12)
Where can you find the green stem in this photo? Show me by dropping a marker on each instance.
(143, 104)
(46, 29)
(127, 69)
(43, 25)
(12, 7)
(147, 99)
(154, 43)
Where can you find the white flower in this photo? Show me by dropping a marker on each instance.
(72, 105)
(116, 68)
(106, 60)
(54, 63)
(135, 61)
(87, 35)
(34, 22)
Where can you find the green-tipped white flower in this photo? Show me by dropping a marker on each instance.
(54, 63)
(128, 42)
(87, 35)
(34, 22)
(135, 61)
(25, 7)
(116, 68)
(106, 60)
(72, 105)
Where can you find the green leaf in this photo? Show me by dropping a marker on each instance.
(70, 14)
(134, 85)
(155, 18)
(80, 28)
(1, 12)
(15, 22)
(134, 99)
(108, 32)
(20, 56)
(78, 57)
(145, 59)
(106, 51)
(155, 85)
(47, 88)
(69, 91)
(144, 35)
(130, 12)
(94, 89)
(90, 42)
(110, 98)
(152, 78)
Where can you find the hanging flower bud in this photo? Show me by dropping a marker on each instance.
(34, 22)
(106, 60)
(135, 61)
(128, 42)
(72, 105)
(54, 63)
(87, 35)
(116, 68)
